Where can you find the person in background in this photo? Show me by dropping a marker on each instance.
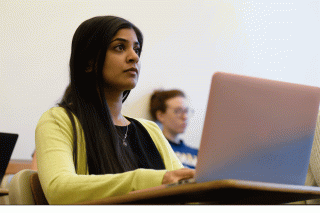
(170, 109)
(86, 149)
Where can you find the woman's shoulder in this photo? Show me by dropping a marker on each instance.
(57, 114)
(57, 117)
(152, 128)
(55, 111)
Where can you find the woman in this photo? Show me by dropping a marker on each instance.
(86, 149)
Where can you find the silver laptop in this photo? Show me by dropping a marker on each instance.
(258, 130)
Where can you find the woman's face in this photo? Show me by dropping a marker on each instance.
(122, 66)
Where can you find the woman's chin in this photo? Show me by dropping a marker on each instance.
(132, 84)
(129, 87)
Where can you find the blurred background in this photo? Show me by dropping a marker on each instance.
(185, 42)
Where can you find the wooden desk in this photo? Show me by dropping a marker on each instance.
(3, 192)
(15, 166)
(216, 192)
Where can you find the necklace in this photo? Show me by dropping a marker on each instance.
(125, 135)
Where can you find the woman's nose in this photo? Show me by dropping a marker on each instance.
(132, 57)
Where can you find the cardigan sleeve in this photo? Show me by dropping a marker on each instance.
(59, 180)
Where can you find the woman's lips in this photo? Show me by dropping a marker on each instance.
(132, 70)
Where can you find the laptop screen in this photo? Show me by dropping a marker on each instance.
(257, 129)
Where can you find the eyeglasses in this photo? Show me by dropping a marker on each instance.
(182, 111)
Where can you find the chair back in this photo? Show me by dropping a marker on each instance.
(25, 189)
(37, 192)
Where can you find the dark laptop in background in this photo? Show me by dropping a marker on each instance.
(7, 144)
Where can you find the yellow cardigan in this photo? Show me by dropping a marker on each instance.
(62, 185)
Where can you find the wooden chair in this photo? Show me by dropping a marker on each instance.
(37, 192)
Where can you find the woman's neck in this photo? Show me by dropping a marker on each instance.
(114, 101)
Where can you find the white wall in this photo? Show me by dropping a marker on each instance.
(185, 42)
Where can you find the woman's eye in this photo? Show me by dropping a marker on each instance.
(119, 47)
(137, 50)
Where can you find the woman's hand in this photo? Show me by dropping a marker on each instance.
(176, 175)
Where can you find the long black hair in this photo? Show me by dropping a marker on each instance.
(85, 98)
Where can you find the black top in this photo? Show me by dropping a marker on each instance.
(139, 146)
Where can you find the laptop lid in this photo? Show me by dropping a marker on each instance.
(7, 144)
(257, 129)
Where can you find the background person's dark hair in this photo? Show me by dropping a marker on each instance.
(85, 98)
(159, 98)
